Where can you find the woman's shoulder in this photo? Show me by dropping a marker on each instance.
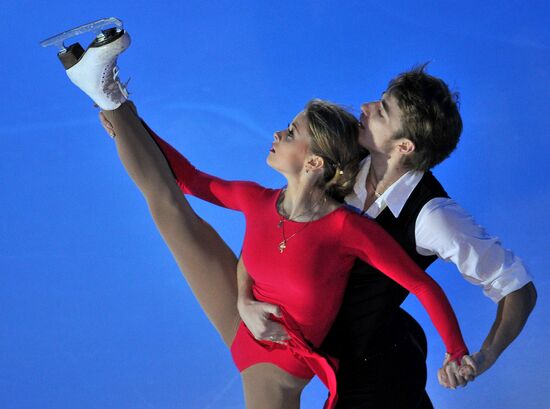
(353, 214)
(255, 192)
(341, 218)
(356, 219)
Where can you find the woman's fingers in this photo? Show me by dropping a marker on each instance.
(257, 317)
(106, 125)
(442, 377)
(275, 332)
(451, 370)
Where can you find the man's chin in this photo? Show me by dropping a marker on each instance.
(364, 141)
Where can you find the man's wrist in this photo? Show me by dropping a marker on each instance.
(490, 353)
(485, 358)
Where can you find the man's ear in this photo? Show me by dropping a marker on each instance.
(405, 146)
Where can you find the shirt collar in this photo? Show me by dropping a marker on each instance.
(394, 197)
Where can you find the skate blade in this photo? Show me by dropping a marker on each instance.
(95, 27)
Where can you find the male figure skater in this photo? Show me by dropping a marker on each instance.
(382, 350)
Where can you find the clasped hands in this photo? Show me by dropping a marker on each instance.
(451, 375)
(256, 316)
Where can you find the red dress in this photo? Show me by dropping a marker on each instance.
(307, 280)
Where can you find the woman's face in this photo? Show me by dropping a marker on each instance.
(291, 147)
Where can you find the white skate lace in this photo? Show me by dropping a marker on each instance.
(114, 89)
(123, 87)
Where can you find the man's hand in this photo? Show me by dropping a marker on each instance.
(255, 316)
(451, 375)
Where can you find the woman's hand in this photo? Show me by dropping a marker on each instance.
(107, 125)
(255, 315)
(451, 375)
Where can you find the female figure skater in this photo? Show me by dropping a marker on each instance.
(299, 246)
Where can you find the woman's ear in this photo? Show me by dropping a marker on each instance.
(314, 162)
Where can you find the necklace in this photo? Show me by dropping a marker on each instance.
(371, 181)
(375, 191)
(281, 224)
(282, 244)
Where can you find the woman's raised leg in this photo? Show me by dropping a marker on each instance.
(205, 260)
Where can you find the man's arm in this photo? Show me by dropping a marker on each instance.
(512, 313)
(445, 229)
(255, 314)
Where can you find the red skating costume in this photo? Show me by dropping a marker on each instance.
(307, 279)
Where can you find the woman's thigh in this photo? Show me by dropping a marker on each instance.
(267, 386)
(209, 267)
(205, 260)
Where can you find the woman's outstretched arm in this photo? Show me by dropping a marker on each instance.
(370, 242)
(230, 194)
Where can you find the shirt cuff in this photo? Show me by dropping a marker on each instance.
(514, 279)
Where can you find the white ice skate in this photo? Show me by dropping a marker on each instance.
(94, 71)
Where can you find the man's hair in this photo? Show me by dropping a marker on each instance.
(430, 117)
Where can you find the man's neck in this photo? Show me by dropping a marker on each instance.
(384, 171)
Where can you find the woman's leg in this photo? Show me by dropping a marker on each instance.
(203, 257)
(267, 386)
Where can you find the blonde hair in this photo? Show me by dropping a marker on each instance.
(334, 132)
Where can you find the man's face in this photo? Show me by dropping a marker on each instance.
(378, 123)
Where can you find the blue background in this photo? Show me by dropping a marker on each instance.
(93, 310)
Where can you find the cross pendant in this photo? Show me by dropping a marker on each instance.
(282, 246)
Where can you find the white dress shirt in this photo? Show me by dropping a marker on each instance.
(444, 229)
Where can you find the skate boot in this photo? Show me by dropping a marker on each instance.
(94, 71)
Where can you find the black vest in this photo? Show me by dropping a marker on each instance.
(370, 317)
